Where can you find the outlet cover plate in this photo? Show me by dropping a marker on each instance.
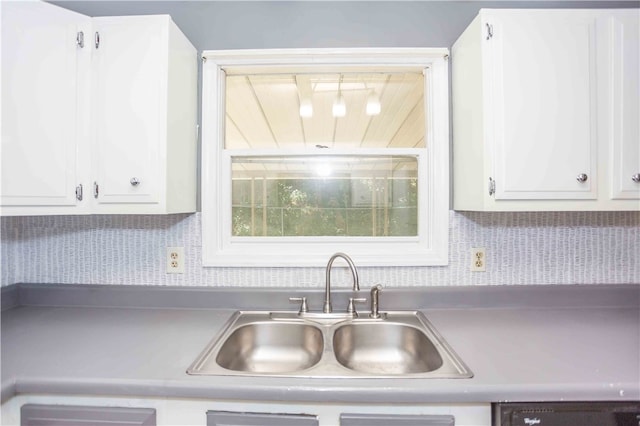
(478, 259)
(175, 260)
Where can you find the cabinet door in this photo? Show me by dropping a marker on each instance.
(396, 420)
(228, 418)
(623, 75)
(61, 415)
(541, 69)
(42, 67)
(130, 69)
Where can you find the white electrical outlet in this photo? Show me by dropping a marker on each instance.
(478, 259)
(175, 260)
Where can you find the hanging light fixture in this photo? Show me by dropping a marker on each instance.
(306, 108)
(373, 104)
(339, 106)
(305, 94)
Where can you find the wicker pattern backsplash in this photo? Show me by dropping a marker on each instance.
(522, 248)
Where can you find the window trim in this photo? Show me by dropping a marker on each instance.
(430, 248)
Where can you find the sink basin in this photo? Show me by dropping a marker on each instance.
(260, 343)
(385, 348)
(271, 347)
(254, 344)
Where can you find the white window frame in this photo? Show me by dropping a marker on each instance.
(430, 247)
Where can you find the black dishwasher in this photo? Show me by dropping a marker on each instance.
(566, 414)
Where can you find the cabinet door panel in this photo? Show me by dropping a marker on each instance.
(543, 76)
(40, 62)
(625, 110)
(228, 418)
(64, 415)
(130, 71)
(347, 419)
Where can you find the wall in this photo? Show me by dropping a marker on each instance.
(305, 24)
(522, 248)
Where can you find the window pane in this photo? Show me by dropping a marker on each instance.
(339, 110)
(324, 196)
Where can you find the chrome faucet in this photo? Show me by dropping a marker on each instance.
(354, 273)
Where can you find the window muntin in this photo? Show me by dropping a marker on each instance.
(428, 247)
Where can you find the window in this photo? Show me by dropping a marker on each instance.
(309, 152)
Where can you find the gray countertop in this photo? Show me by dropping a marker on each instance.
(558, 350)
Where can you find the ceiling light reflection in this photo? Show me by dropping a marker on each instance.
(324, 170)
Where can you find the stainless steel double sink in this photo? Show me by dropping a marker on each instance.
(399, 344)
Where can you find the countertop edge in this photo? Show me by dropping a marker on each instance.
(246, 298)
(321, 392)
(7, 390)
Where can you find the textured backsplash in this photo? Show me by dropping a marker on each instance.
(522, 248)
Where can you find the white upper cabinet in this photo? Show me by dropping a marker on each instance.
(115, 118)
(130, 80)
(43, 64)
(623, 92)
(145, 81)
(543, 102)
(543, 105)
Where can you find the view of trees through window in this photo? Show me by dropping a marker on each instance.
(325, 207)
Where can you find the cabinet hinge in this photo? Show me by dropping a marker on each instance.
(489, 31)
(80, 39)
(97, 39)
(79, 192)
(492, 186)
(96, 189)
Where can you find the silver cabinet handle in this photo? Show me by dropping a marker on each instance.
(492, 186)
(134, 181)
(636, 178)
(489, 31)
(582, 177)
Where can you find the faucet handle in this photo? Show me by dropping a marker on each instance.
(304, 307)
(351, 308)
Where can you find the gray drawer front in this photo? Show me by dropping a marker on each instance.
(64, 415)
(228, 418)
(395, 420)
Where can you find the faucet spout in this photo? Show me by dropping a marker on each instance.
(354, 273)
